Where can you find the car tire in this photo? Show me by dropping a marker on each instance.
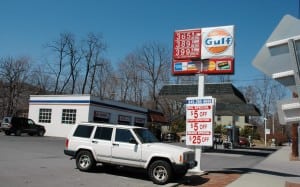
(85, 161)
(18, 132)
(7, 133)
(41, 133)
(160, 172)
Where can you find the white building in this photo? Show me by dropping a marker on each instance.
(58, 113)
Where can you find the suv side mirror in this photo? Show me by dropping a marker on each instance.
(132, 140)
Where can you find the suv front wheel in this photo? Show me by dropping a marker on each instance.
(85, 161)
(160, 172)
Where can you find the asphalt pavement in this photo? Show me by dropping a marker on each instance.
(277, 170)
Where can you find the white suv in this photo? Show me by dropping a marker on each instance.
(92, 143)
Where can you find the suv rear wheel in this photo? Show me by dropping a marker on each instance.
(85, 161)
(41, 133)
(7, 133)
(160, 172)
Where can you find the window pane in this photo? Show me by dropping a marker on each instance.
(83, 131)
(68, 116)
(123, 135)
(45, 115)
(103, 133)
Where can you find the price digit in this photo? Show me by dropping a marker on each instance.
(196, 139)
(196, 127)
(195, 113)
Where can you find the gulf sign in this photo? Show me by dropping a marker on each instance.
(217, 42)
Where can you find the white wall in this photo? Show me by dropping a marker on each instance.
(84, 111)
(56, 128)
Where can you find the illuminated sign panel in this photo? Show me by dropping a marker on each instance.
(206, 51)
(217, 42)
(186, 44)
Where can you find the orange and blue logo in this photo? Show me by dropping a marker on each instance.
(218, 41)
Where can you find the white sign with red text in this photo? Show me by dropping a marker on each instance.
(199, 121)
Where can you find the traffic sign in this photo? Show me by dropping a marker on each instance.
(278, 58)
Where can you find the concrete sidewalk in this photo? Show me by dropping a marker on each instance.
(275, 171)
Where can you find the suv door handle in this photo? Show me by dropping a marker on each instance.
(93, 141)
(115, 144)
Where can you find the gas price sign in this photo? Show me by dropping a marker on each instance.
(199, 121)
(187, 44)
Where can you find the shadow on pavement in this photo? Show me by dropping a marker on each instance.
(136, 173)
(243, 151)
(275, 173)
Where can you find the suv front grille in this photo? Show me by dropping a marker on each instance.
(189, 156)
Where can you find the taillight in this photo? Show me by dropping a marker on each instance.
(67, 143)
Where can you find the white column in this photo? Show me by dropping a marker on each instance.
(198, 149)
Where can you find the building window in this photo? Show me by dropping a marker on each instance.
(139, 122)
(237, 118)
(45, 115)
(124, 120)
(68, 116)
(101, 117)
(219, 118)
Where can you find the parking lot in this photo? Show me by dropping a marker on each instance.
(40, 161)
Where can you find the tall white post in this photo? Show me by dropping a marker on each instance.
(198, 149)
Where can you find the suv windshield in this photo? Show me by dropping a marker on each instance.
(145, 135)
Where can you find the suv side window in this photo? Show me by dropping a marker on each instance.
(123, 135)
(30, 123)
(83, 131)
(6, 120)
(103, 133)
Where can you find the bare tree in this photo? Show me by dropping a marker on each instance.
(105, 81)
(264, 95)
(132, 80)
(92, 48)
(14, 73)
(74, 59)
(41, 79)
(59, 47)
(154, 63)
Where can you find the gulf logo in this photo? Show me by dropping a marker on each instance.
(218, 41)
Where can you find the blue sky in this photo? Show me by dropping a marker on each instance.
(27, 25)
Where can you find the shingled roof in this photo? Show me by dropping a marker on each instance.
(230, 101)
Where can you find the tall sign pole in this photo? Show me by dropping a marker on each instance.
(198, 150)
(202, 52)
